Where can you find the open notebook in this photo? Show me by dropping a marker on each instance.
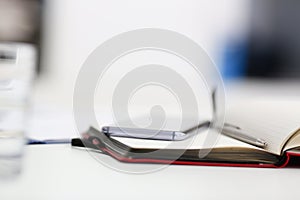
(278, 126)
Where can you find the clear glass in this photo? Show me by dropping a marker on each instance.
(17, 67)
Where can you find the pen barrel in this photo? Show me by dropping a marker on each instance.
(241, 136)
(140, 133)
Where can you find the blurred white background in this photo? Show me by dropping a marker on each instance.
(74, 28)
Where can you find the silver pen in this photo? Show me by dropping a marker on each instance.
(151, 134)
(141, 133)
(239, 134)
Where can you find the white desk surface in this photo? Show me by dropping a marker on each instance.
(60, 172)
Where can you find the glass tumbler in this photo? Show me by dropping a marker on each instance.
(17, 69)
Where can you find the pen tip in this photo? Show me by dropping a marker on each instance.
(262, 142)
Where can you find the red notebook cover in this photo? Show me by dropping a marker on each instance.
(97, 140)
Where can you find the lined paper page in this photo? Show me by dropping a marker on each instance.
(273, 121)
